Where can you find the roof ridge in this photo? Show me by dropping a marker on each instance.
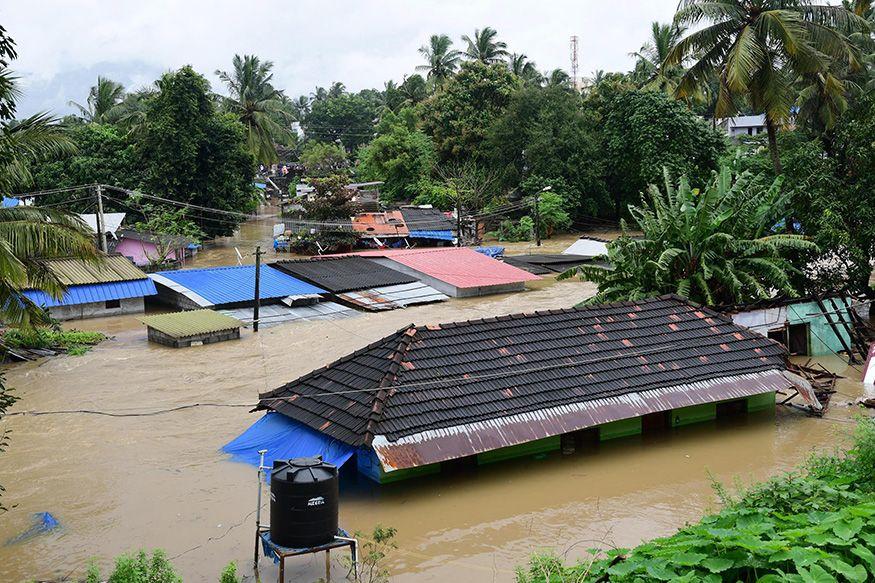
(386, 390)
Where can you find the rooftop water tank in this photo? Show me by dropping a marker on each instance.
(303, 502)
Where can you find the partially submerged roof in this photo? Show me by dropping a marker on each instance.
(588, 247)
(233, 284)
(385, 224)
(274, 314)
(343, 274)
(431, 393)
(426, 219)
(461, 267)
(111, 268)
(191, 323)
(546, 264)
(392, 297)
(112, 221)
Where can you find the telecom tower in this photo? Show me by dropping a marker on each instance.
(575, 80)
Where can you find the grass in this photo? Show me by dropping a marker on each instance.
(73, 342)
(814, 524)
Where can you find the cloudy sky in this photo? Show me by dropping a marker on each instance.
(65, 44)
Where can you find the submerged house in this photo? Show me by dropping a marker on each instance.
(362, 283)
(806, 326)
(113, 287)
(458, 272)
(428, 225)
(487, 390)
(146, 249)
(547, 264)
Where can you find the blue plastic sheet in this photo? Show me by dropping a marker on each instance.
(438, 235)
(10, 202)
(285, 438)
(495, 251)
(43, 522)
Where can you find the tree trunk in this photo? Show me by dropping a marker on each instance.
(776, 162)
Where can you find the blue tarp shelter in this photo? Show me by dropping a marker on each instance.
(427, 234)
(285, 438)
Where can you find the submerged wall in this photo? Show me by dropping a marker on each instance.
(97, 309)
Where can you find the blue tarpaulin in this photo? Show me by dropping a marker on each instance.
(439, 235)
(285, 438)
(10, 202)
(493, 252)
(41, 523)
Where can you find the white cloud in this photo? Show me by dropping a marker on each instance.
(63, 45)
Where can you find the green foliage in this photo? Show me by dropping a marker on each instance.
(331, 199)
(401, 156)
(551, 210)
(814, 525)
(229, 574)
(374, 549)
(512, 232)
(323, 159)
(459, 116)
(75, 342)
(344, 118)
(714, 246)
(193, 154)
(644, 132)
(141, 568)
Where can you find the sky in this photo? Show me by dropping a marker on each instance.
(64, 45)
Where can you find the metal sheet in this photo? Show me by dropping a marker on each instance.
(274, 314)
(97, 292)
(393, 296)
(434, 446)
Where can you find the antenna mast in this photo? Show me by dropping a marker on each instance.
(575, 80)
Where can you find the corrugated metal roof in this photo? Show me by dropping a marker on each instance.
(461, 267)
(78, 272)
(95, 292)
(233, 284)
(192, 323)
(426, 219)
(385, 224)
(546, 264)
(274, 314)
(436, 235)
(535, 368)
(394, 296)
(588, 246)
(343, 274)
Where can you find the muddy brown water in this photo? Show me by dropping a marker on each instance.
(117, 484)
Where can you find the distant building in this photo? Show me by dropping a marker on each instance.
(744, 125)
(146, 249)
(111, 288)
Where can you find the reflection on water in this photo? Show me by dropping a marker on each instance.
(121, 483)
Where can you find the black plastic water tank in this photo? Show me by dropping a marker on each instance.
(304, 497)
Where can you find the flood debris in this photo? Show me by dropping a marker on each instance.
(813, 383)
(42, 523)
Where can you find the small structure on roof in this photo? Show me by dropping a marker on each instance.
(524, 384)
(809, 326)
(112, 287)
(588, 247)
(192, 328)
(428, 223)
(362, 283)
(547, 264)
(454, 271)
(146, 249)
(231, 286)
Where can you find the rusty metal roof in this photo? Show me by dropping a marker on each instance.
(385, 224)
(452, 390)
(78, 272)
(391, 297)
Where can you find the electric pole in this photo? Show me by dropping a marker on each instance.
(537, 220)
(257, 289)
(101, 223)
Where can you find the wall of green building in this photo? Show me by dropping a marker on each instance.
(822, 339)
(693, 414)
(536, 447)
(621, 428)
(761, 402)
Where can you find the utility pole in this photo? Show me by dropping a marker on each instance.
(537, 220)
(101, 223)
(257, 289)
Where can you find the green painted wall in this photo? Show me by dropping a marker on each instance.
(822, 340)
(621, 428)
(368, 464)
(761, 402)
(693, 414)
(521, 450)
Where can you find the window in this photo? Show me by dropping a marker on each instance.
(110, 304)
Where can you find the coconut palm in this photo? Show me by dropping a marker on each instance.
(650, 57)
(757, 49)
(258, 105)
(484, 47)
(102, 105)
(557, 78)
(520, 65)
(714, 247)
(442, 61)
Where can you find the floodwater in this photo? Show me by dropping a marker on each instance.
(117, 484)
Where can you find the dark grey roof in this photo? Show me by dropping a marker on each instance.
(430, 380)
(425, 219)
(546, 264)
(343, 274)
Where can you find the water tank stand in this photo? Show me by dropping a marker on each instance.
(280, 554)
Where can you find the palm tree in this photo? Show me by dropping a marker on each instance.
(337, 89)
(650, 57)
(484, 48)
(442, 61)
(258, 105)
(714, 247)
(558, 78)
(102, 105)
(520, 65)
(757, 49)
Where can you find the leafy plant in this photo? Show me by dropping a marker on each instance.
(75, 342)
(229, 574)
(373, 552)
(140, 568)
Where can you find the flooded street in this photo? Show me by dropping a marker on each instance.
(119, 483)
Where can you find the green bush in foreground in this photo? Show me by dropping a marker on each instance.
(75, 342)
(810, 526)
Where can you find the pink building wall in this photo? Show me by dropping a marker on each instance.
(141, 251)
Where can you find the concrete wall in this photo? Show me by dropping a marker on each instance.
(140, 251)
(97, 310)
(175, 299)
(213, 337)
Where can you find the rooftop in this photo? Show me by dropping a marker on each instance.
(426, 219)
(192, 323)
(232, 284)
(385, 224)
(113, 268)
(342, 274)
(431, 393)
